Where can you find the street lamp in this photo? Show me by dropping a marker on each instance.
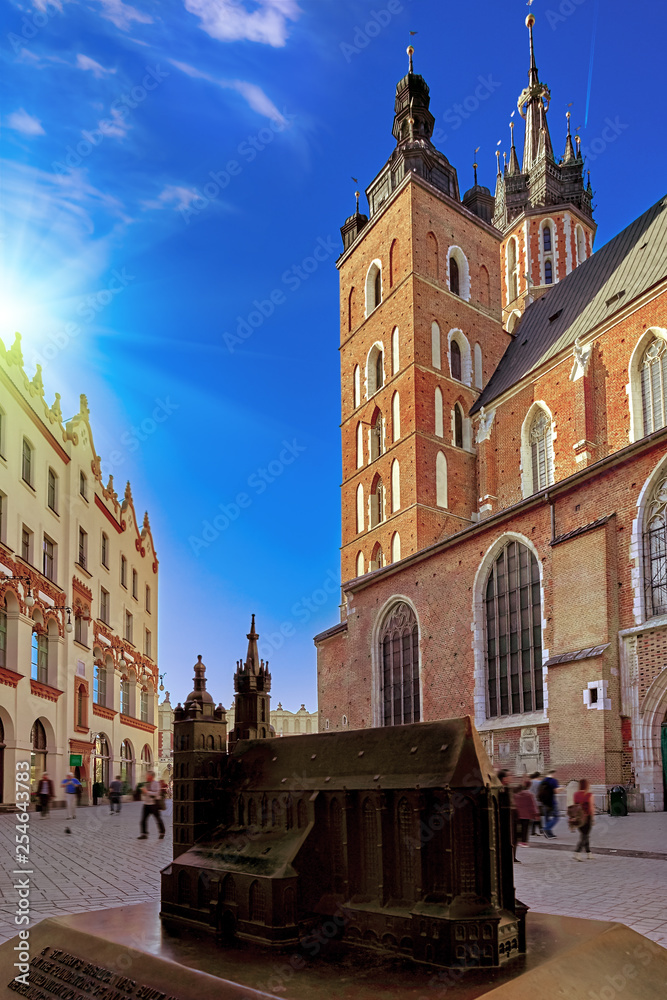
(29, 600)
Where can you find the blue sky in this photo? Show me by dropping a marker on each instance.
(174, 176)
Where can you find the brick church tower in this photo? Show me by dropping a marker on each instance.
(252, 700)
(421, 333)
(542, 207)
(200, 750)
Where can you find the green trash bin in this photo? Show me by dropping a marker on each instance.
(618, 801)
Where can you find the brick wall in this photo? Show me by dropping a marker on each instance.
(580, 592)
(441, 587)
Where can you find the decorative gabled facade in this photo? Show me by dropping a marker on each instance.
(78, 599)
(516, 571)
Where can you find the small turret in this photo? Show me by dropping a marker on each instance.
(568, 155)
(252, 686)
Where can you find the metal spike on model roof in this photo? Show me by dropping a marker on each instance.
(624, 264)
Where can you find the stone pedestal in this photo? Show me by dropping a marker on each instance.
(125, 952)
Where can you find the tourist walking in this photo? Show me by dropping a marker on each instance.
(548, 803)
(71, 786)
(507, 782)
(583, 799)
(115, 793)
(527, 811)
(45, 794)
(535, 782)
(151, 795)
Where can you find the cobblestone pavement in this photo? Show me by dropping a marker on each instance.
(102, 864)
(614, 885)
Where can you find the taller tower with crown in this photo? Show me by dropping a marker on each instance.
(200, 751)
(252, 699)
(421, 333)
(542, 207)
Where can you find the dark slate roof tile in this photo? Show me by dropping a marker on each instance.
(630, 263)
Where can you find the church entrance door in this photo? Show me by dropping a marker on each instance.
(663, 745)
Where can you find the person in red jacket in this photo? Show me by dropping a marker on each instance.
(527, 811)
(584, 799)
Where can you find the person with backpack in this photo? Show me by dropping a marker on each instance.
(580, 816)
(546, 796)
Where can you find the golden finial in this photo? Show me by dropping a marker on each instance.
(410, 52)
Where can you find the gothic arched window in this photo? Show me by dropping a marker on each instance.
(370, 868)
(257, 902)
(458, 426)
(374, 370)
(548, 273)
(454, 283)
(546, 238)
(252, 813)
(336, 831)
(376, 436)
(513, 633)
(406, 851)
(541, 451)
(655, 551)
(377, 502)
(455, 360)
(513, 283)
(654, 385)
(378, 287)
(399, 664)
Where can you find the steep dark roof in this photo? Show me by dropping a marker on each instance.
(612, 277)
(428, 754)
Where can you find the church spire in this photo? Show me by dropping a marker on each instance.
(252, 661)
(533, 105)
(568, 155)
(514, 159)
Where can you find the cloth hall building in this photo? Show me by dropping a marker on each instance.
(504, 433)
(78, 600)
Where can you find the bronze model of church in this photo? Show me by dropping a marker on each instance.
(399, 837)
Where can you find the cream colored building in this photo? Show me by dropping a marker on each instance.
(78, 599)
(284, 723)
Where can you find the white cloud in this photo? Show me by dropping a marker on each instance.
(86, 63)
(231, 21)
(21, 121)
(253, 94)
(116, 126)
(122, 14)
(173, 195)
